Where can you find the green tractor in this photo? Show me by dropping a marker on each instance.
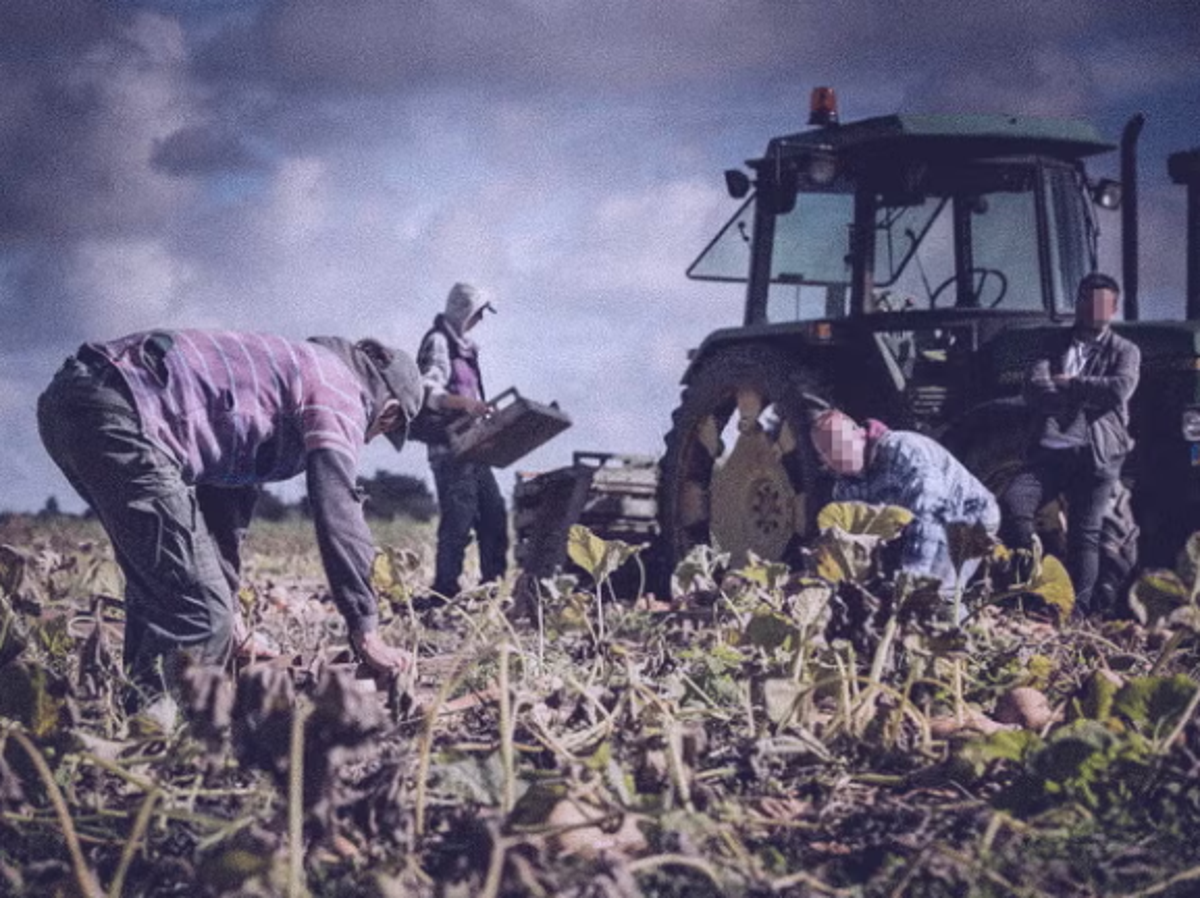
(910, 268)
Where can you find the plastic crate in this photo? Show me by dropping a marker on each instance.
(515, 427)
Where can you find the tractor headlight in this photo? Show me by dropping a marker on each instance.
(1191, 424)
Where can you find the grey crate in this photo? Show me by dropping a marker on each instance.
(613, 495)
(515, 428)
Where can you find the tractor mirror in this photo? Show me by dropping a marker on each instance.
(737, 182)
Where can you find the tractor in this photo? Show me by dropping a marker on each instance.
(910, 268)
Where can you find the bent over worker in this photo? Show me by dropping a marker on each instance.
(881, 466)
(168, 434)
(468, 496)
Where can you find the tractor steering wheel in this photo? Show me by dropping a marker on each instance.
(984, 274)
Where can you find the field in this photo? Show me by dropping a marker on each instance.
(823, 731)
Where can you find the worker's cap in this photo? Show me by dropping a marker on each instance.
(402, 378)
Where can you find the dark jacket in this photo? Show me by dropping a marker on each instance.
(1100, 393)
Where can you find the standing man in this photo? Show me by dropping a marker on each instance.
(1081, 391)
(468, 497)
(880, 466)
(167, 435)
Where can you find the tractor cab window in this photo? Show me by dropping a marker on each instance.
(966, 239)
(810, 258)
(1072, 234)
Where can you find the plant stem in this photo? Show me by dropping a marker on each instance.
(1186, 716)
(131, 846)
(295, 880)
(85, 879)
(506, 734)
(1167, 651)
(426, 744)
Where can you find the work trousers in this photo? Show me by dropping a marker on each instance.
(177, 545)
(468, 500)
(1088, 492)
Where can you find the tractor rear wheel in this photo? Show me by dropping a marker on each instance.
(739, 472)
(996, 454)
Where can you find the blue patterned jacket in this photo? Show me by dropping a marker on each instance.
(917, 473)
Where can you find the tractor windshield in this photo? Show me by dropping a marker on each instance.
(966, 237)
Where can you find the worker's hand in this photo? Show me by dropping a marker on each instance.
(378, 655)
(476, 408)
(1061, 380)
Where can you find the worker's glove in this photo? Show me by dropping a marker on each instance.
(378, 655)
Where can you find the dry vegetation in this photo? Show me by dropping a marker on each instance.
(770, 732)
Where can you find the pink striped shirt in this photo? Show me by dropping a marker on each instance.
(237, 408)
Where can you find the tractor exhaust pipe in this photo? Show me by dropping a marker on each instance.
(1184, 168)
(1129, 214)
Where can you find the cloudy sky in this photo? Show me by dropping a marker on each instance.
(333, 166)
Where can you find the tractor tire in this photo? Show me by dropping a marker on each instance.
(739, 472)
(996, 454)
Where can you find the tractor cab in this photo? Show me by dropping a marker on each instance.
(922, 236)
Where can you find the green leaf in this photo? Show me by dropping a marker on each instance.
(840, 556)
(1154, 703)
(830, 564)
(860, 519)
(1074, 753)
(1155, 595)
(229, 869)
(472, 777)
(536, 803)
(770, 630)
(1004, 745)
(36, 698)
(587, 550)
(1094, 701)
(764, 573)
(698, 570)
(1053, 585)
(599, 557)
(384, 577)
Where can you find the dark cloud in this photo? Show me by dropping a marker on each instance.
(78, 118)
(31, 30)
(204, 150)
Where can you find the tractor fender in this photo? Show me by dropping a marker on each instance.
(994, 437)
(982, 421)
(792, 339)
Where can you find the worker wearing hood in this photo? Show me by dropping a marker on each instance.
(469, 499)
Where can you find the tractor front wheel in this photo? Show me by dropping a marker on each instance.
(739, 472)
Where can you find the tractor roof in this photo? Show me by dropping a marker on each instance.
(965, 135)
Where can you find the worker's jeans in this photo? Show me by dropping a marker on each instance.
(178, 594)
(468, 499)
(1072, 473)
